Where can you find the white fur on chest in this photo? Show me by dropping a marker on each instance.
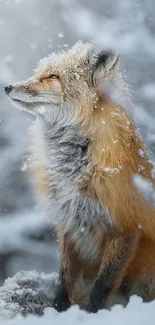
(38, 143)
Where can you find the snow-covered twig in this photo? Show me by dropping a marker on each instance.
(27, 292)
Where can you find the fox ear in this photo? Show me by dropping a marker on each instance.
(104, 66)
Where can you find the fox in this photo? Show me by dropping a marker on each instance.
(84, 153)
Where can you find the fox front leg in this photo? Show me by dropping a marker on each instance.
(61, 301)
(69, 271)
(116, 258)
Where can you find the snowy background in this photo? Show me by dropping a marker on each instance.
(30, 30)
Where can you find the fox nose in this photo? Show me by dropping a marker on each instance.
(8, 89)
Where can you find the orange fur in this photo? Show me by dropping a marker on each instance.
(115, 159)
(117, 144)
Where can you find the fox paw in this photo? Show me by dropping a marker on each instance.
(61, 303)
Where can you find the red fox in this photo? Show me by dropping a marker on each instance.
(85, 152)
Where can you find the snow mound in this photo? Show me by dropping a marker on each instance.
(27, 292)
(30, 294)
(136, 313)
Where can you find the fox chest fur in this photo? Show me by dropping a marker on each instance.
(66, 154)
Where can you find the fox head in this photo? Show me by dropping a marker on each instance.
(65, 82)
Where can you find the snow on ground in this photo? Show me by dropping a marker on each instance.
(136, 313)
(31, 292)
(27, 292)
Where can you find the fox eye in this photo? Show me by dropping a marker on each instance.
(53, 76)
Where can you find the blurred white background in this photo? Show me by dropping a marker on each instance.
(30, 30)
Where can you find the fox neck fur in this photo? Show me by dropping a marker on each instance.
(66, 154)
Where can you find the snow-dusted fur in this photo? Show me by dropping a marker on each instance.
(59, 144)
